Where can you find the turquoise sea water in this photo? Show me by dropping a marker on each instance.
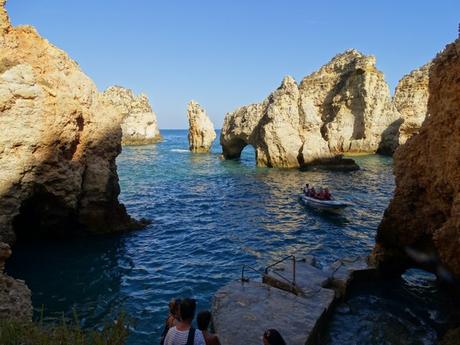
(209, 217)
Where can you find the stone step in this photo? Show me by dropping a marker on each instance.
(243, 311)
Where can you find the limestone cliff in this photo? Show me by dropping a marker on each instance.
(138, 121)
(411, 101)
(201, 133)
(423, 219)
(353, 100)
(284, 129)
(58, 143)
(15, 296)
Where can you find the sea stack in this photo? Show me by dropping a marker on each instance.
(201, 133)
(138, 121)
(284, 129)
(344, 107)
(421, 226)
(353, 100)
(59, 141)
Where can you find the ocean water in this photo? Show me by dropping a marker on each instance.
(209, 217)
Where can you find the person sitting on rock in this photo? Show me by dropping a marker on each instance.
(183, 333)
(172, 319)
(203, 319)
(273, 337)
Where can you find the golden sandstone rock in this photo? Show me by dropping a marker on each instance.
(138, 121)
(422, 222)
(201, 133)
(344, 107)
(58, 143)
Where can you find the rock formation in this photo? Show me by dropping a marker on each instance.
(139, 122)
(353, 100)
(343, 107)
(59, 141)
(15, 296)
(411, 101)
(284, 129)
(201, 133)
(422, 222)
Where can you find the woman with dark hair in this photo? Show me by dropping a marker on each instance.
(273, 337)
(172, 319)
(203, 320)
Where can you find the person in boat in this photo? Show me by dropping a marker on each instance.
(312, 193)
(203, 320)
(320, 194)
(327, 194)
(273, 337)
(183, 333)
(306, 189)
(172, 319)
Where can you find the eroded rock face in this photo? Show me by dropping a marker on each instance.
(343, 107)
(15, 296)
(201, 133)
(353, 100)
(138, 121)
(284, 129)
(58, 143)
(423, 219)
(411, 100)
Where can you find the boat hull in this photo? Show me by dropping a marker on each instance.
(330, 205)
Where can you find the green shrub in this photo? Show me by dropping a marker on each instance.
(65, 333)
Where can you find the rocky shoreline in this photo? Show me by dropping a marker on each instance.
(58, 173)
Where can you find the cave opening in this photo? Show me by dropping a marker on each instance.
(44, 216)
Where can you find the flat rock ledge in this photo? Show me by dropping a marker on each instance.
(332, 164)
(243, 310)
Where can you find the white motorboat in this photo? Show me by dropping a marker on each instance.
(332, 205)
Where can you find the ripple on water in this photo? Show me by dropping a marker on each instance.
(209, 217)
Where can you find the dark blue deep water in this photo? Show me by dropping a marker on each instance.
(209, 217)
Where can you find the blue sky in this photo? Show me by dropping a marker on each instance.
(225, 54)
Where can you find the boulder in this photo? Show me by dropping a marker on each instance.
(138, 121)
(59, 141)
(421, 226)
(201, 133)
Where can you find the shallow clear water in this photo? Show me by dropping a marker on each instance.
(209, 218)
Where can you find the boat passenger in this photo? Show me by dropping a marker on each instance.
(273, 337)
(312, 192)
(327, 194)
(183, 333)
(320, 195)
(203, 319)
(306, 189)
(172, 319)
